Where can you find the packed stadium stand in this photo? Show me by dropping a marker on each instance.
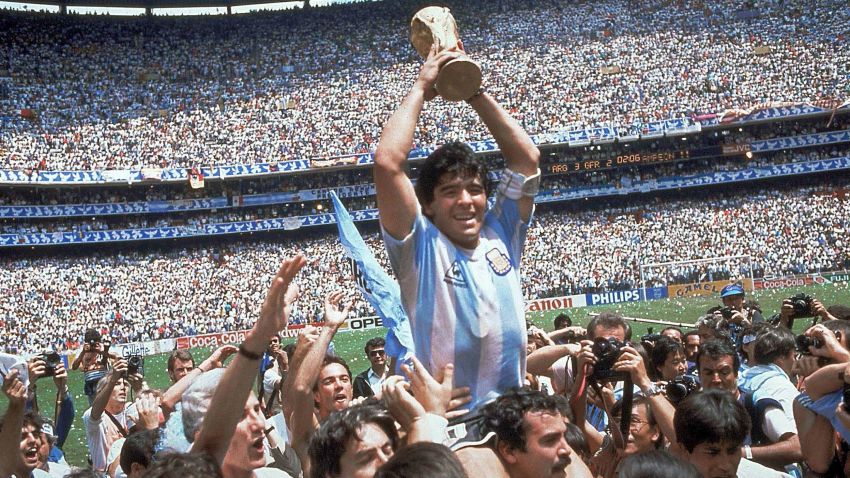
(153, 171)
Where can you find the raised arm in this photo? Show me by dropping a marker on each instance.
(227, 405)
(396, 197)
(520, 153)
(102, 398)
(13, 420)
(305, 374)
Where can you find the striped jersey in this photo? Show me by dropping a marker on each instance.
(465, 306)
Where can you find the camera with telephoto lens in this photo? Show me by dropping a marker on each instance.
(804, 342)
(51, 361)
(680, 387)
(135, 364)
(802, 304)
(606, 351)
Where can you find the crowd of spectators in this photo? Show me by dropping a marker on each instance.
(129, 93)
(149, 295)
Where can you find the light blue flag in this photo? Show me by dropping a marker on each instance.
(376, 285)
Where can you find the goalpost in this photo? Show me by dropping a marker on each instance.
(726, 268)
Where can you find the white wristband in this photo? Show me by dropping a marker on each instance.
(515, 185)
(748, 452)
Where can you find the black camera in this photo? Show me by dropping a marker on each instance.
(607, 351)
(804, 342)
(135, 364)
(727, 312)
(802, 304)
(51, 361)
(571, 336)
(680, 387)
(650, 336)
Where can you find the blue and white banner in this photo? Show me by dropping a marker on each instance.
(377, 286)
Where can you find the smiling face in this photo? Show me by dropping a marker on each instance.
(642, 435)
(377, 356)
(334, 389)
(458, 208)
(246, 450)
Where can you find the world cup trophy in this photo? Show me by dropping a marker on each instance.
(459, 79)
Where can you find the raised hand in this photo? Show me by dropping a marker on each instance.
(14, 388)
(335, 312)
(217, 358)
(274, 314)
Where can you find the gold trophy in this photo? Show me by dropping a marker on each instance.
(459, 79)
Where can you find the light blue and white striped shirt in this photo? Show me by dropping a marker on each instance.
(465, 306)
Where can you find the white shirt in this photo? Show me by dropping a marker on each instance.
(101, 434)
(751, 469)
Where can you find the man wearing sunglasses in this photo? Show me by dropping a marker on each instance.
(369, 381)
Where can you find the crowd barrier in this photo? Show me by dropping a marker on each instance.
(582, 137)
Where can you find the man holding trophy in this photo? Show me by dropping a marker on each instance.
(457, 262)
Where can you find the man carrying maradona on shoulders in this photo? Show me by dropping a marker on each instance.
(457, 262)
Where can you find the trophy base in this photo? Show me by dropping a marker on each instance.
(458, 80)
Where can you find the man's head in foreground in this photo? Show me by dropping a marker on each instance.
(530, 431)
(354, 442)
(710, 428)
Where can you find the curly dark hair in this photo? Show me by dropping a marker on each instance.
(456, 158)
(329, 442)
(505, 415)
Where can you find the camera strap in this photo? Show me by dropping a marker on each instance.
(121, 428)
(621, 432)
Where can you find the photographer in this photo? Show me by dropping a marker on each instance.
(819, 410)
(651, 412)
(802, 305)
(94, 358)
(668, 359)
(111, 401)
